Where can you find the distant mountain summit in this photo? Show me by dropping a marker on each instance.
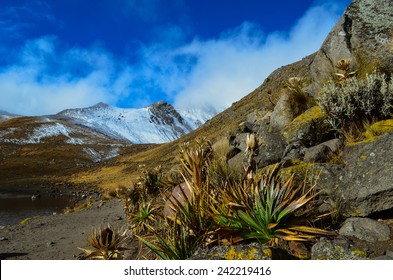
(157, 123)
(42, 149)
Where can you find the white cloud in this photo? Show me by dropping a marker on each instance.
(48, 77)
(45, 80)
(232, 66)
(220, 71)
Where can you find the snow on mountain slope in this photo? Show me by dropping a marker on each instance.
(197, 116)
(157, 123)
(53, 134)
(5, 116)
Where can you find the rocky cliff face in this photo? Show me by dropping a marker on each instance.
(363, 34)
(163, 114)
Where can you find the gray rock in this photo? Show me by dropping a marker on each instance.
(322, 152)
(294, 151)
(384, 258)
(336, 249)
(287, 108)
(367, 180)
(245, 127)
(310, 128)
(271, 149)
(365, 229)
(387, 256)
(180, 194)
(233, 151)
(240, 142)
(319, 153)
(334, 144)
(389, 253)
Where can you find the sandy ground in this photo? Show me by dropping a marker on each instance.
(58, 237)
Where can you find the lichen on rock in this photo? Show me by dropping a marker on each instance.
(310, 128)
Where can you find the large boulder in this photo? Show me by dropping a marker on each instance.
(363, 34)
(367, 180)
(271, 145)
(288, 107)
(180, 194)
(310, 128)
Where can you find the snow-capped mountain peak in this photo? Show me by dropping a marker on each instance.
(157, 123)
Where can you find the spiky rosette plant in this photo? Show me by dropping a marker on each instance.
(268, 211)
(175, 243)
(144, 217)
(107, 244)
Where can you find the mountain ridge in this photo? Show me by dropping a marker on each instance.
(157, 123)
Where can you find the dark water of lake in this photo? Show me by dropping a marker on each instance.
(15, 207)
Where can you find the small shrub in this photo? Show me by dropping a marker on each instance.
(150, 180)
(357, 100)
(191, 225)
(228, 210)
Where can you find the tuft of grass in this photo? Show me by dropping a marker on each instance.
(295, 86)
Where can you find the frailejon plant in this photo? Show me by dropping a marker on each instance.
(108, 244)
(357, 100)
(344, 67)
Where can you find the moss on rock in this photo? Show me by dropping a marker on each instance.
(379, 128)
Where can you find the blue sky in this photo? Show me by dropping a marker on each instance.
(58, 54)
